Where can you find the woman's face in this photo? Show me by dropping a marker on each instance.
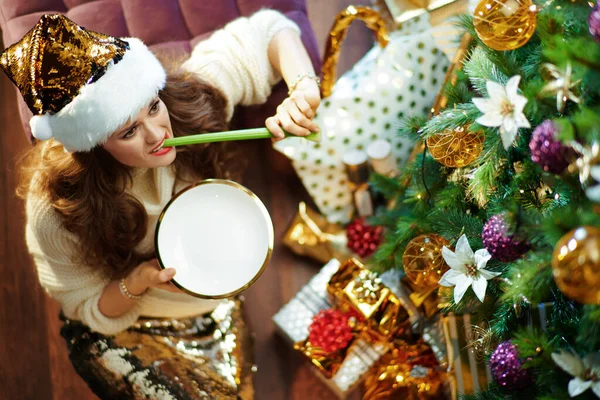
(139, 142)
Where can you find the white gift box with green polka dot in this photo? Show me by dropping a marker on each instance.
(366, 104)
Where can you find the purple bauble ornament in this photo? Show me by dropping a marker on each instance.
(594, 22)
(547, 151)
(507, 370)
(499, 243)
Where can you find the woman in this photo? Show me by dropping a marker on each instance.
(94, 191)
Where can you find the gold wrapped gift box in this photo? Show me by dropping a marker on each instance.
(410, 371)
(349, 369)
(382, 335)
(355, 287)
(350, 286)
(311, 235)
(382, 316)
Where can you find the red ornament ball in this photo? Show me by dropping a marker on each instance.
(363, 239)
(330, 330)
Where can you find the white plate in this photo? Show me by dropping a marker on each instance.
(218, 235)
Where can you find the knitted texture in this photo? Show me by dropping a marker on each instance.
(232, 62)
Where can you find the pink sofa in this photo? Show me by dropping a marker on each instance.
(172, 26)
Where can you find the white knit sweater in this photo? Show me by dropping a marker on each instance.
(234, 60)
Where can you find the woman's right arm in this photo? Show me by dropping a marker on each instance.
(113, 303)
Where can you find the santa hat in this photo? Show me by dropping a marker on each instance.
(81, 85)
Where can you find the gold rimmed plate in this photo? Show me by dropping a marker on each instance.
(218, 235)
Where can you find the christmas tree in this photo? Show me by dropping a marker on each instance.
(500, 210)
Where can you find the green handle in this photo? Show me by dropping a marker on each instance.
(243, 134)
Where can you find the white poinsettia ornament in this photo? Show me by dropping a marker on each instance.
(586, 371)
(504, 108)
(466, 269)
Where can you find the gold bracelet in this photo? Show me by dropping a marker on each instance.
(299, 78)
(127, 293)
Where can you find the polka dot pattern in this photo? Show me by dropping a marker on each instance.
(386, 84)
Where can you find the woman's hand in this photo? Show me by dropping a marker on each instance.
(296, 112)
(149, 275)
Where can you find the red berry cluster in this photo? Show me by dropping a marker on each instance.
(330, 330)
(363, 239)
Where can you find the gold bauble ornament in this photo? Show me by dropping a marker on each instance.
(423, 261)
(456, 147)
(576, 265)
(505, 24)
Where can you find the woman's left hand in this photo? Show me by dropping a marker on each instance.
(296, 112)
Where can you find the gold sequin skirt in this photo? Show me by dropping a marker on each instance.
(202, 357)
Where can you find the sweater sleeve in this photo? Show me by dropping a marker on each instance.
(235, 59)
(76, 287)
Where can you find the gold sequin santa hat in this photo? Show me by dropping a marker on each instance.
(81, 85)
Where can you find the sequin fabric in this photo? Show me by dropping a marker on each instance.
(203, 357)
(55, 59)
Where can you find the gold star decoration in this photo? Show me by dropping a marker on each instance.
(561, 85)
(588, 157)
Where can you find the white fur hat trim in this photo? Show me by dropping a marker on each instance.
(106, 105)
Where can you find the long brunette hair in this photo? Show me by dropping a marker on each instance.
(88, 188)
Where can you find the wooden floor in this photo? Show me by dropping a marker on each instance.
(33, 358)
